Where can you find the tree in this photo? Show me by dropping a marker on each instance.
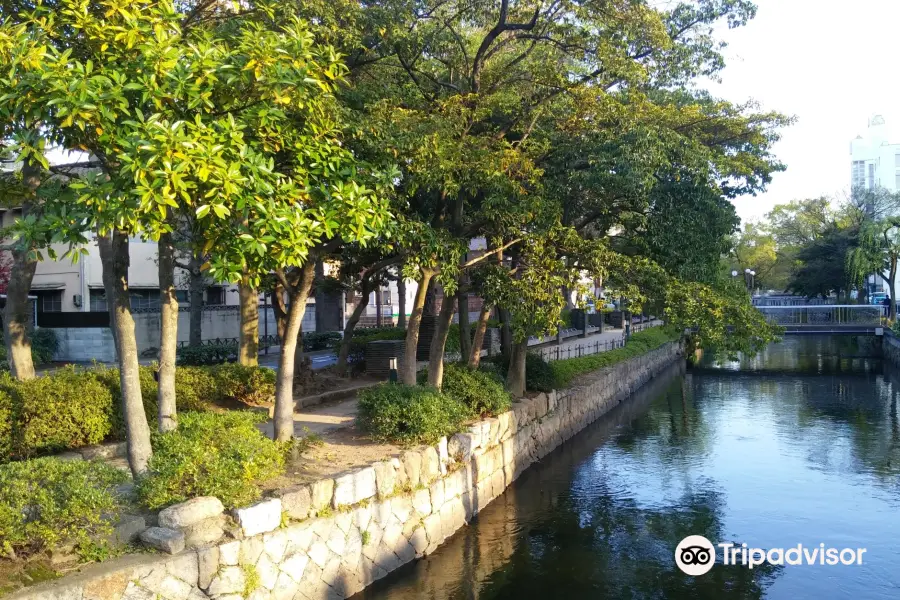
(822, 263)
(878, 252)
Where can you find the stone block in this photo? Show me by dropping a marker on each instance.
(421, 501)
(295, 566)
(208, 565)
(230, 553)
(191, 512)
(163, 539)
(267, 572)
(322, 492)
(251, 549)
(412, 465)
(443, 455)
(493, 425)
(419, 541)
(205, 532)
(296, 501)
(437, 495)
(460, 447)
(228, 580)
(431, 465)
(259, 518)
(400, 472)
(354, 487)
(385, 478)
(275, 545)
(299, 537)
(402, 507)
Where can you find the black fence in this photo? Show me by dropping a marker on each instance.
(73, 319)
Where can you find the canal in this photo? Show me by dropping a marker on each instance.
(800, 445)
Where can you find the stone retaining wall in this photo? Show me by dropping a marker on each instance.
(890, 347)
(331, 538)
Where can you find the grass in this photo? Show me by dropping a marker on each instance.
(564, 371)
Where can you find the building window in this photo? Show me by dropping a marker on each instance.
(871, 180)
(215, 295)
(51, 301)
(182, 296)
(98, 301)
(144, 299)
(858, 174)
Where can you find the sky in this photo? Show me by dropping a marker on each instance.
(832, 64)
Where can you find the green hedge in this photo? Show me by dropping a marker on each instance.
(207, 354)
(539, 376)
(46, 414)
(361, 337)
(71, 408)
(481, 392)
(44, 344)
(409, 414)
(48, 502)
(320, 341)
(223, 455)
(564, 371)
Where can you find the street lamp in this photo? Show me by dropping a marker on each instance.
(734, 273)
(752, 278)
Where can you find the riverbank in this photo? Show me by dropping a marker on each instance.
(333, 537)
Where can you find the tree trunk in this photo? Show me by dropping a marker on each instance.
(465, 331)
(284, 387)
(344, 352)
(168, 334)
(474, 358)
(439, 343)
(16, 315)
(248, 352)
(401, 300)
(195, 327)
(408, 366)
(379, 301)
(279, 310)
(114, 257)
(320, 296)
(298, 352)
(505, 333)
(515, 377)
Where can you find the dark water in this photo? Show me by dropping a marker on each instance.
(798, 445)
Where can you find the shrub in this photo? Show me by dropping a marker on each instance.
(222, 455)
(482, 393)
(109, 378)
(210, 354)
(564, 371)
(48, 502)
(539, 375)
(320, 341)
(44, 345)
(67, 409)
(409, 414)
(250, 385)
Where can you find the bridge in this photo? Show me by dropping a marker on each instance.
(826, 318)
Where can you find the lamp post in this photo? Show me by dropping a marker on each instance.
(752, 281)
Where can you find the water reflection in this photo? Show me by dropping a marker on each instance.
(801, 446)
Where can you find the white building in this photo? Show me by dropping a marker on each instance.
(875, 163)
(874, 158)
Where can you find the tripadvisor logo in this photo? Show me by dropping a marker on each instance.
(696, 555)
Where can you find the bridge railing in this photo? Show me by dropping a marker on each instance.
(843, 315)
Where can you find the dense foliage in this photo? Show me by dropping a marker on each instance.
(48, 502)
(70, 408)
(538, 372)
(44, 345)
(65, 410)
(565, 371)
(222, 455)
(320, 341)
(207, 354)
(480, 392)
(407, 415)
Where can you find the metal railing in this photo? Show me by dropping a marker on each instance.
(840, 315)
(549, 353)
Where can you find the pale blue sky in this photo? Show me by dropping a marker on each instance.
(832, 64)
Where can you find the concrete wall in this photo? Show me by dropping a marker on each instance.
(890, 347)
(84, 344)
(344, 533)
